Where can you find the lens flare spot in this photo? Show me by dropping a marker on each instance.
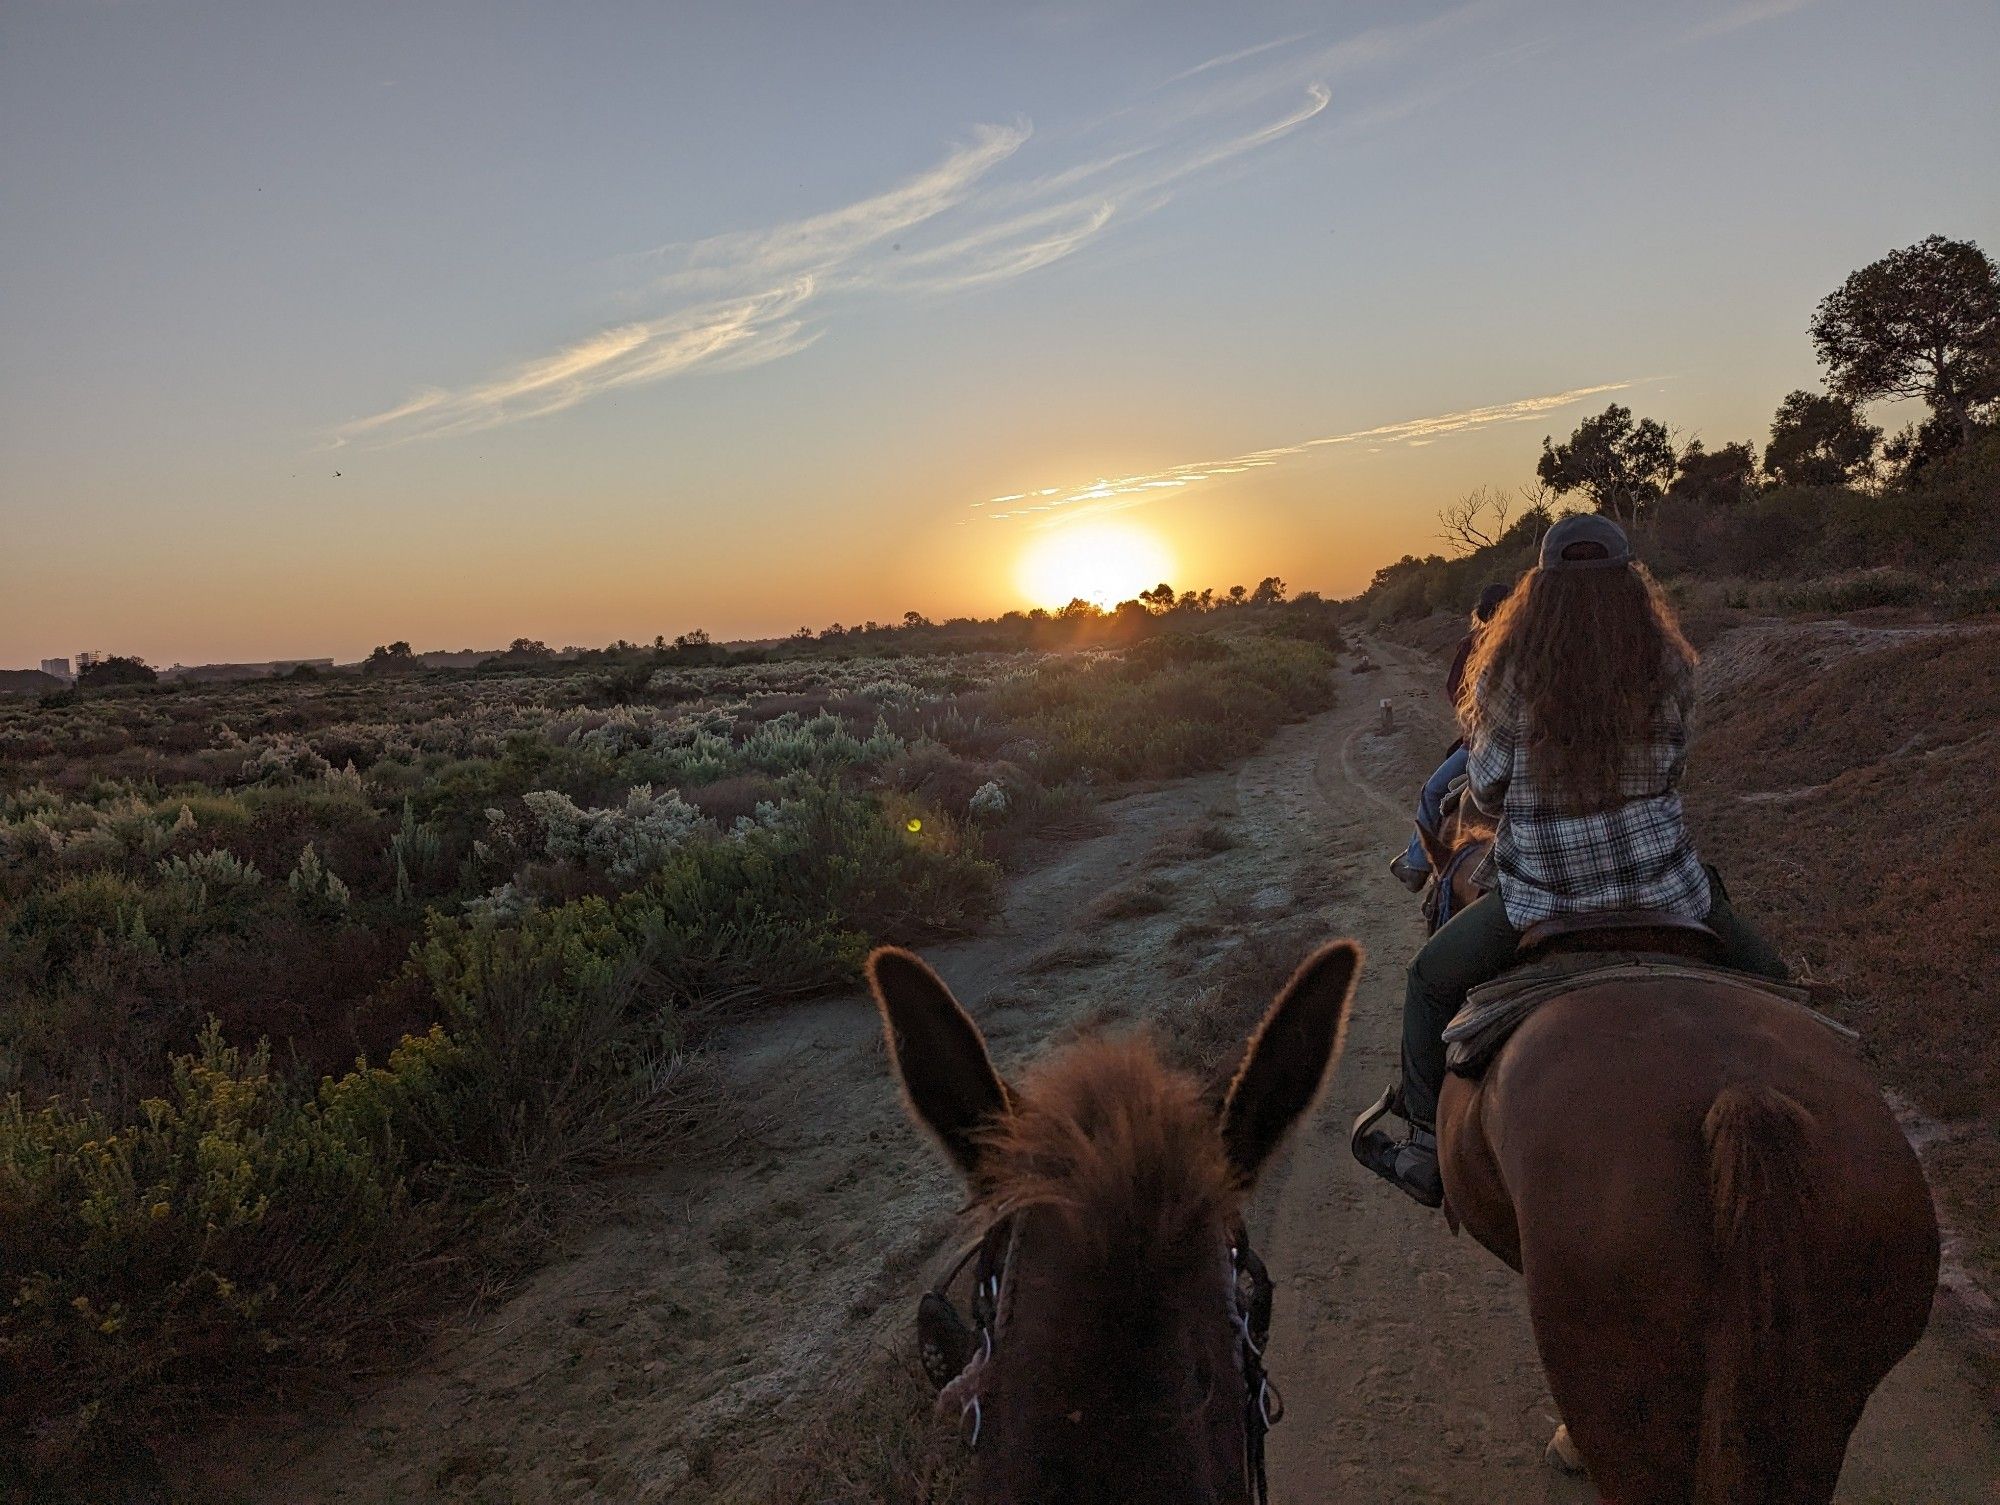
(913, 825)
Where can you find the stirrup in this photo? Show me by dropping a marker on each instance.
(1377, 1151)
(1389, 1102)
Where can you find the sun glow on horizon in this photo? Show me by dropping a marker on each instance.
(1102, 563)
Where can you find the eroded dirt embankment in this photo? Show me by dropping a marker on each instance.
(1848, 779)
(722, 1311)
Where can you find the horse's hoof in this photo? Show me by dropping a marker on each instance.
(1562, 1453)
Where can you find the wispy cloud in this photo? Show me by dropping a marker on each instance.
(723, 334)
(998, 205)
(1062, 504)
(822, 241)
(1240, 55)
(1753, 13)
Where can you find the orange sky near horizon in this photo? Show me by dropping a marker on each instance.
(589, 578)
(592, 323)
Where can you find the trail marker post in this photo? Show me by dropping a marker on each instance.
(1388, 716)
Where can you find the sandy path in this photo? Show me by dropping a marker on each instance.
(677, 1352)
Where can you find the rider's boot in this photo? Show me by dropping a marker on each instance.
(1411, 1163)
(1408, 873)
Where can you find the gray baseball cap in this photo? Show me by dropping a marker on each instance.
(1612, 547)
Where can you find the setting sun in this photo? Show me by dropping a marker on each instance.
(1102, 563)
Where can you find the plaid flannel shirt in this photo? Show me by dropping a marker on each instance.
(1635, 855)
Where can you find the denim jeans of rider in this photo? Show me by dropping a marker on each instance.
(1430, 804)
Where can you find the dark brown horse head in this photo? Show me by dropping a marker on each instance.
(1116, 1369)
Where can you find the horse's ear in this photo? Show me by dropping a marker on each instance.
(937, 1053)
(1435, 847)
(1289, 1056)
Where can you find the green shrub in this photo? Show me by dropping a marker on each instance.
(541, 1062)
(1977, 598)
(1855, 592)
(1152, 716)
(180, 1222)
(173, 1259)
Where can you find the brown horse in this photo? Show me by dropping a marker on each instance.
(1120, 1360)
(1455, 850)
(1726, 1240)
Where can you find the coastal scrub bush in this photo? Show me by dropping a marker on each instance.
(303, 984)
(157, 1263)
(1170, 712)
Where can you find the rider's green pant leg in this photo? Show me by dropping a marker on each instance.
(1742, 947)
(1476, 944)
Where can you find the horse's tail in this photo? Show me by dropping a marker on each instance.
(1761, 1191)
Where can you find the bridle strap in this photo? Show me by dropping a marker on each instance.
(1262, 1406)
(992, 1252)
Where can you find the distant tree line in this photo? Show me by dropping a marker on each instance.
(107, 673)
(1829, 492)
(1080, 624)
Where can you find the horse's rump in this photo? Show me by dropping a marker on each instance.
(1726, 1239)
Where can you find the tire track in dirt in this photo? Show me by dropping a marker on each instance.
(704, 1320)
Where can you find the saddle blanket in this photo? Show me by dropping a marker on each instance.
(1494, 1010)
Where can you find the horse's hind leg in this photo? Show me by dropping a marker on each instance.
(1628, 1394)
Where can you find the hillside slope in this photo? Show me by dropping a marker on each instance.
(1844, 778)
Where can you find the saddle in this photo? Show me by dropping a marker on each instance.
(1641, 930)
(1494, 1010)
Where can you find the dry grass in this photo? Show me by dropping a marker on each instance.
(1206, 837)
(1232, 993)
(1147, 896)
(878, 1443)
(1070, 953)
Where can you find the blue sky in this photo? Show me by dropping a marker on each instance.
(615, 320)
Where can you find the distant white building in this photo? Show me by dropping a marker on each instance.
(59, 667)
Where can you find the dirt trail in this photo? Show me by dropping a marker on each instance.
(676, 1354)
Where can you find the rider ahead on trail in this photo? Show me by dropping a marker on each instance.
(1575, 704)
(1412, 866)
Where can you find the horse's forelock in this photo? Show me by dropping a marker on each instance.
(1125, 1150)
(1116, 1329)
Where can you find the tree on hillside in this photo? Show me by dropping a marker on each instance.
(1622, 466)
(1159, 598)
(1476, 520)
(390, 658)
(1921, 322)
(1237, 593)
(1270, 591)
(1404, 568)
(526, 650)
(1715, 478)
(1819, 440)
(115, 670)
(1916, 446)
(1131, 621)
